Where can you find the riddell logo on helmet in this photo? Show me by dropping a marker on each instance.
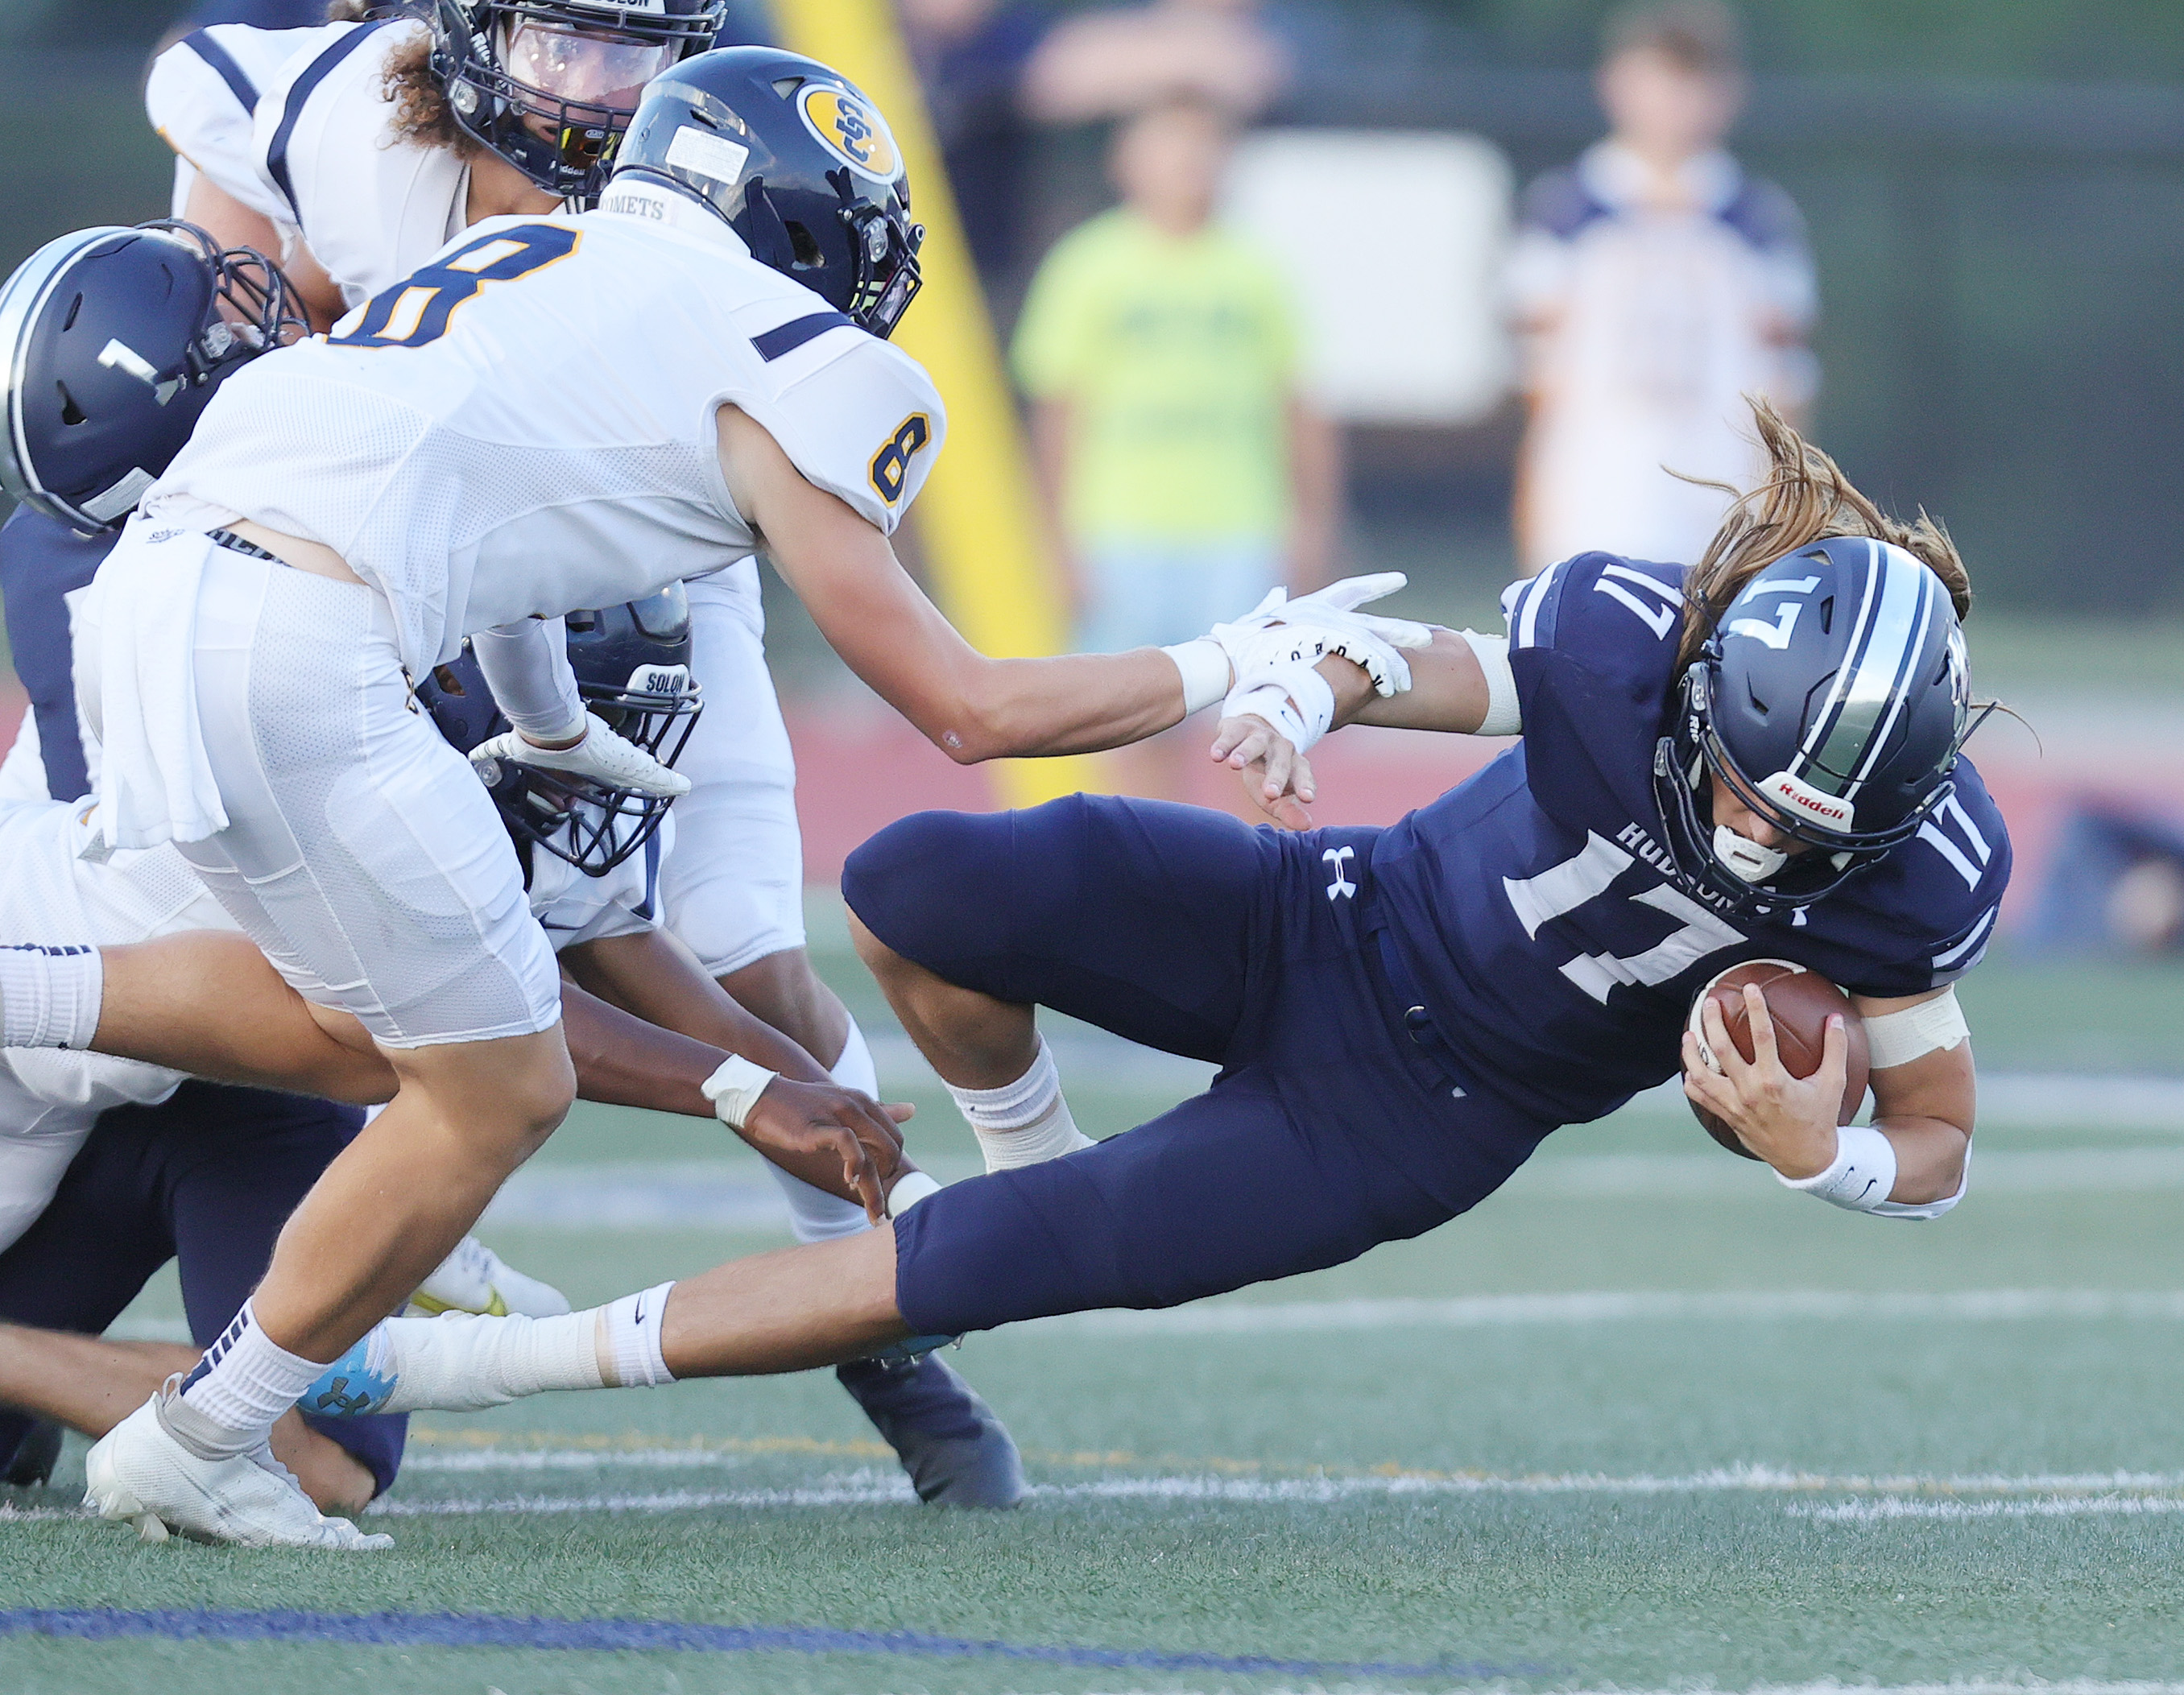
(851, 128)
(1821, 809)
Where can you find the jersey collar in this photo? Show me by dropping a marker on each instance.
(656, 203)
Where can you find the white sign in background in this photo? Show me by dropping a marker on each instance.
(1395, 243)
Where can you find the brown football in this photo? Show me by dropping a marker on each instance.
(1799, 1001)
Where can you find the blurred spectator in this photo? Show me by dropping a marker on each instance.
(1184, 471)
(971, 55)
(1657, 284)
(1108, 64)
(2114, 885)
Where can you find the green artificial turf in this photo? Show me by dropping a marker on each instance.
(1538, 1496)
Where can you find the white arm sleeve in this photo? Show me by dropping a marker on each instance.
(527, 665)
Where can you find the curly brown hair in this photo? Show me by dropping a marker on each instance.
(421, 108)
(1804, 498)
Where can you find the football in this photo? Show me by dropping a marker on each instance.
(1799, 1001)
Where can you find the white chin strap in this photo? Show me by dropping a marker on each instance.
(1746, 857)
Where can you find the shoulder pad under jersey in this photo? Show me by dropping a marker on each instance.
(371, 207)
(201, 97)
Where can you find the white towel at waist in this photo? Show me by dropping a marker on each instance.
(137, 625)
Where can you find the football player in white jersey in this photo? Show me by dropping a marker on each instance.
(555, 413)
(377, 140)
(360, 147)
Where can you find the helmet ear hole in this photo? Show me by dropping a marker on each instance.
(804, 249)
(1828, 616)
(70, 412)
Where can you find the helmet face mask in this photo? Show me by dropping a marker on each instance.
(632, 671)
(794, 159)
(1842, 739)
(113, 341)
(548, 86)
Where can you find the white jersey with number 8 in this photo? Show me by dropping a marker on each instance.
(525, 425)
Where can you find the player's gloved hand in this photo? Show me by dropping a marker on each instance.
(1280, 630)
(1789, 1122)
(598, 753)
(835, 1139)
(1275, 775)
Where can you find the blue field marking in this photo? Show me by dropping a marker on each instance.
(474, 1629)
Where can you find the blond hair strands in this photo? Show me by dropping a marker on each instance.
(1803, 498)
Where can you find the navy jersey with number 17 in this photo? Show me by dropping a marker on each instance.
(1537, 908)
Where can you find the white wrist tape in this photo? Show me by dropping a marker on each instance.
(1204, 668)
(1503, 717)
(734, 1089)
(909, 1189)
(1862, 1176)
(1293, 697)
(1898, 1038)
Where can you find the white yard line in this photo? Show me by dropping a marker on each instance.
(2052, 1506)
(871, 1487)
(1590, 1307)
(1576, 1307)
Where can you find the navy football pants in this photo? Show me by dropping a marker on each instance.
(1328, 1131)
(208, 1179)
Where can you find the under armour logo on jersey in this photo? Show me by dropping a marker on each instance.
(1337, 861)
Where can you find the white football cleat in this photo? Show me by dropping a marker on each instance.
(141, 1474)
(604, 755)
(474, 1278)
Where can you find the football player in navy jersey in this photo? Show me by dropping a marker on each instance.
(1757, 757)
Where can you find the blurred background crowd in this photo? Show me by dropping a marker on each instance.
(1456, 287)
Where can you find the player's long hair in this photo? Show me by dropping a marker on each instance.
(420, 105)
(1803, 498)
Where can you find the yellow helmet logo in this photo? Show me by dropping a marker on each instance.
(851, 128)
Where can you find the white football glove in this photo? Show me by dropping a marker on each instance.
(1293, 698)
(1280, 630)
(603, 755)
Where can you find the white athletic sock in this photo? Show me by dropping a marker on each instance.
(50, 995)
(813, 1215)
(1024, 1122)
(247, 1380)
(855, 1069)
(629, 1331)
(458, 1363)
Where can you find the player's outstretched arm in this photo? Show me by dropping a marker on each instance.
(971, 707)
(834, 1138)
(208, 1003)
(1449, 692)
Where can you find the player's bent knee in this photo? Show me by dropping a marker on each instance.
(932, 884)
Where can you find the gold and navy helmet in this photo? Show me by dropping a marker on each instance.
(799, 162)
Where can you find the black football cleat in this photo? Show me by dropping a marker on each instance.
(956, 1451)
(31, 1465)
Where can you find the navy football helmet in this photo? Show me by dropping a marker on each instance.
(801, 165)
(633, 666)
(547, 85)
(113, 340)
(1834, 696)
